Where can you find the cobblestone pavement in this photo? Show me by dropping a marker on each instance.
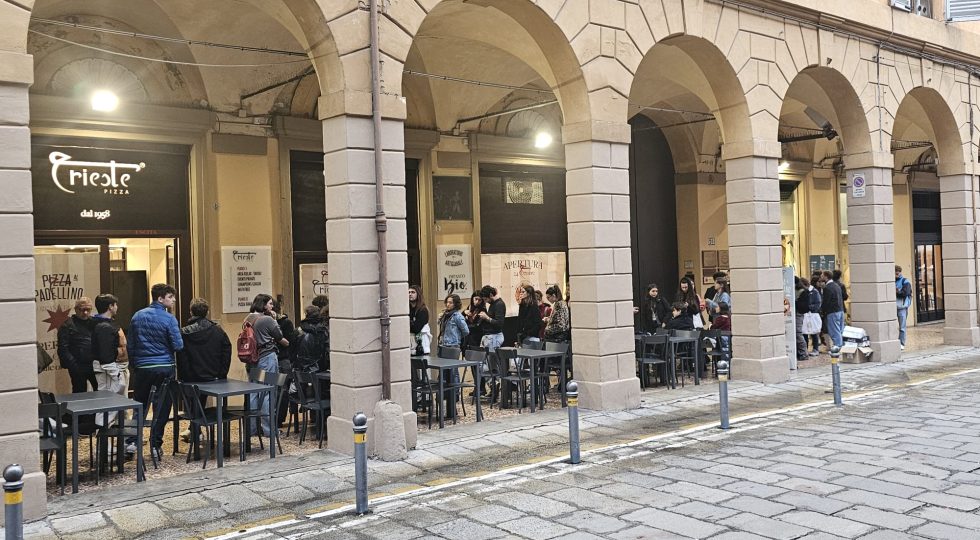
(896, 462)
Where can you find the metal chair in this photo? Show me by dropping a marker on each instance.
(52, 439)
(239, 411)
(422, 386)
(198, 416)
(310, 399)
(686, 353)
(537, 345)
(652, 351)
(516, 375)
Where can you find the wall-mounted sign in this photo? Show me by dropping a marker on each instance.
(312, 283)
(822, 262)
(245, 272)
(88, 184)
(59, 280)
(455, 271)
(508, 271)
(858, 189)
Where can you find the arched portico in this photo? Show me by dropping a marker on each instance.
(58, 65)
(942, 170)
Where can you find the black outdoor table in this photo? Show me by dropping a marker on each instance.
(225, 388)
(533, 356)
(448, 364)
(82, 396)
(104, 406)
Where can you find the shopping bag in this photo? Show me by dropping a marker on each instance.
(811, 323)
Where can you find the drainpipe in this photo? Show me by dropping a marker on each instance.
(976, 226)
(380, 221)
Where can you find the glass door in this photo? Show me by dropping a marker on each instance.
(929, 282)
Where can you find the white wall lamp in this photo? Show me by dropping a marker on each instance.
(542, 140)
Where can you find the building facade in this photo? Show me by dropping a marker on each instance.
(688, 136)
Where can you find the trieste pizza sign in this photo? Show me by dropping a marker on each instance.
(84, 184)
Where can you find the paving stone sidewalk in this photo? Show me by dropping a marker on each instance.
(201, 504)
(896, 464)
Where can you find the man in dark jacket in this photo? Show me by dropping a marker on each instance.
(492, 320)
(75, 346)
(312, 346)
(833, 309)
(105, 336)
(206, 355)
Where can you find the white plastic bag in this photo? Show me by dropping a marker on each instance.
(811, 323)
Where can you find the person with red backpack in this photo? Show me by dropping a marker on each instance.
(258, 348)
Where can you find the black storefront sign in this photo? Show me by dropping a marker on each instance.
(105, 185)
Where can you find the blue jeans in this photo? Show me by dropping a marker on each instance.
(903, 317)
(492, 341)
(270, 363)
(835, 327)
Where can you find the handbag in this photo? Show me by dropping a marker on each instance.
(811, 323)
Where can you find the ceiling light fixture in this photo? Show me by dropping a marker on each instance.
(542, 140)
(104, 101)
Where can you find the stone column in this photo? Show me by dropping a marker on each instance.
(871, 250)
(355, 331)
(958, 193)
(18, 386)
(600, 270)
(755, 256)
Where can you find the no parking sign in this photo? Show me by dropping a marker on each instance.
(857, 185)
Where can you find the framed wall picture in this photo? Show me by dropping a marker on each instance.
(452, 198)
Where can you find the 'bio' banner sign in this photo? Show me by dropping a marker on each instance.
(455, 270)
(245, 272)
(509, 271)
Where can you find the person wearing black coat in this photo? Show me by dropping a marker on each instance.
(206, 355)
(656, 309)
(528, 316)
(681, 319)
(75, 346)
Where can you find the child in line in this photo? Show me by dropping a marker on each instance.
(682, 319)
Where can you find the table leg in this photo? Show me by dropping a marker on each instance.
(439, 400)
(697, 363)
(534, 383)
(273, 425)
(121, 442)
(221, 433)
(74, 453)
(140, 462)
(562, 383)
(476, 392)
(103, 443)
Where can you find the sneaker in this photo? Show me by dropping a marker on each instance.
(130, 448)
(185, 435)
(156, 452)
(813, 353)
(903, 347)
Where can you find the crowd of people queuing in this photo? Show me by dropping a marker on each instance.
(155, 350)
(687, 311)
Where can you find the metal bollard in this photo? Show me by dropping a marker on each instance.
(13, 502)
(723, 371)
(360, 463)
(571, 392)
(835, 371)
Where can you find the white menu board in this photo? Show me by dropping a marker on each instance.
(245, 272)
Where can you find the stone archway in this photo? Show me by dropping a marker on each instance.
(925, 115)
(17, 70)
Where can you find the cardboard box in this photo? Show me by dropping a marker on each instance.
(851, 353)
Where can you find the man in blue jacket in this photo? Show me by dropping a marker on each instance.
(903, 299)
(154, 339)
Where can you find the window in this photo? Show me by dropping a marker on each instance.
(962, 10)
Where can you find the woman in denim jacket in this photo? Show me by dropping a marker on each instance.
(452, 326)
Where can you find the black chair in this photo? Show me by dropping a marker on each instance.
(687, 353)
(652, 351)
(537, 345)
(519, 376)
(195, 413)
(475, 355)
(52, 440)
(310, 400)
(423, 389)
(126, 427)
(450, 353)
(280, 381)
(256, 414)
(554, 364)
